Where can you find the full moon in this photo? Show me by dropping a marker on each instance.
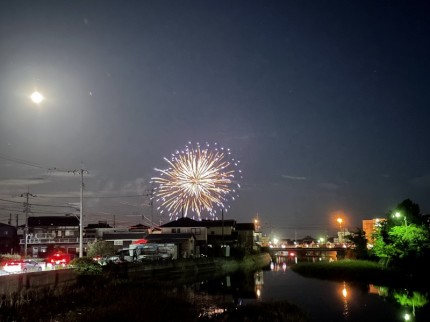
(36, 97)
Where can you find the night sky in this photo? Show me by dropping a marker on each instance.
(325, 103)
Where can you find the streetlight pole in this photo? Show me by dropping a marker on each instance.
(340, 220)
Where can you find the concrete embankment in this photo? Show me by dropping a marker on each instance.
(178, 269)
(47, 279)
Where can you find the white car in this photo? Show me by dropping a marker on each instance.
(22, 266)
(30, 265)
(13, 266)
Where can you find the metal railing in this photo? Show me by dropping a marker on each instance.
(56, 240)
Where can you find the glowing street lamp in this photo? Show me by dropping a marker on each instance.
(398, 215)
(256, 225)
(37, 97)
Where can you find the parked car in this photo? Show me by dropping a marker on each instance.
(30, 265)
(13, 266)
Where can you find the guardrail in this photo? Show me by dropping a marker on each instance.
(73, 240)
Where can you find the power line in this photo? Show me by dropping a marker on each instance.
(11, 201)
(21, 161)
(93, 197)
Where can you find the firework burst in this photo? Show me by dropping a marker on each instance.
(199, 180)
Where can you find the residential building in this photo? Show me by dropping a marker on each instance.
(8, 239)
(187, 225)
(184, 242)
(123, 239)
(370, 226)
(46, 233)
(246, 236)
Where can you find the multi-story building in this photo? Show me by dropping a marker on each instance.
(46, 233)
(370, 226)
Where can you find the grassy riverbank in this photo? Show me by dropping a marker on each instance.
(362, 271)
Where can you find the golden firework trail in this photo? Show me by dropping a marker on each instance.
(198, 180)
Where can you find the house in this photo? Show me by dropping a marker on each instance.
(96, 230)
(211, 234)
(184, 242)
(123, 239)
(141, 228)
(46, 233)
(221, 232)
(246, 236)
(187, 225)
(8, 239)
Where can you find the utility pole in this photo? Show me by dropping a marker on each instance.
(81, 172)
(81, 214)
(222, 219)
(26, 210)
(150, 194)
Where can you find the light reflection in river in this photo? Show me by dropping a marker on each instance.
(322, 300)
(345, 312)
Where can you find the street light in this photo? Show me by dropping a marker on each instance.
(399, 215)
(256, 225)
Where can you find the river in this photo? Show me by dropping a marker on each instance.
(321, 300)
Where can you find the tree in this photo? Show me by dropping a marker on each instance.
(409, 211)
(100, 248)
(359, 240)
(404, 240)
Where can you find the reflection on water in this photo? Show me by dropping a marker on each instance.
(345, 312)
(259, 282)
(408, 300)
(322, 300)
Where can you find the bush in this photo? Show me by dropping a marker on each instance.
(86, 266)
(100, 248)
